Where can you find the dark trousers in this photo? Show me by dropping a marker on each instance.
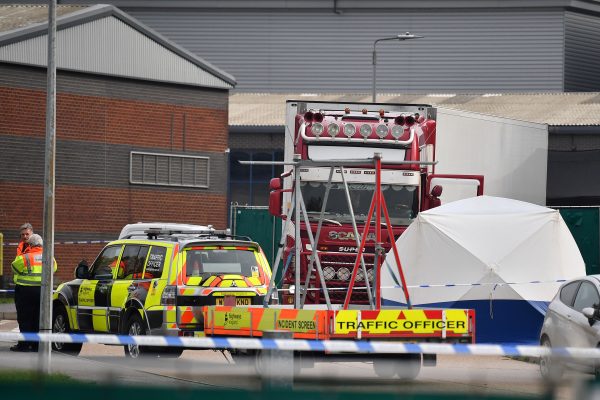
(27, 302)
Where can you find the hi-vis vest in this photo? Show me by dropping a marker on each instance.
(27, 268)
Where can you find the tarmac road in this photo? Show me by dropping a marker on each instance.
(481, 375)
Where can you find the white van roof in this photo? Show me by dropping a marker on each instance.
(138, 230)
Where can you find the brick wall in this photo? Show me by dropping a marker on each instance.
(93, 198)
(97, 119)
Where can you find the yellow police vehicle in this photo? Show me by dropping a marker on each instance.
(157, 282)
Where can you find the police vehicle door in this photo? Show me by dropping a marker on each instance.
(129, 285)
(94, 292)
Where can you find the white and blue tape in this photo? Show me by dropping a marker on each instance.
(330, 346)
(69, 242)
(447, 285)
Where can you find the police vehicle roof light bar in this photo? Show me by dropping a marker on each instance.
(155, 233)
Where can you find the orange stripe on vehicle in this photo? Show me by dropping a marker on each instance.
(257, 318)
(209, 281)
(288, 313)
(187, 315)
(216, 282)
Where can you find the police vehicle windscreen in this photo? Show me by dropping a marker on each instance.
(203, 262)
(402, 201)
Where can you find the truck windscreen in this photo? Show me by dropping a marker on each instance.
(402, 201)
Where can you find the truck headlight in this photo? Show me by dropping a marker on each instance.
(382, 131)
(343, 274)
(328, 273)
(317, 128)
(360, 275)
(370, 274)
(349, 130)
(366, 130)
(333, 129)
(397, 131)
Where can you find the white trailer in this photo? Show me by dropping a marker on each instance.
(512, 155)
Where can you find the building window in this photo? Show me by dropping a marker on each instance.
(249, 184)
(169, 170)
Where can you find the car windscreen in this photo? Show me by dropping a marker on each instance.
(221, 261)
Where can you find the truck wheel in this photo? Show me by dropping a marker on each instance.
(550, 367)
(135, 327)
(384, 367)
(260, 367)
(60, 324)
(259, 363)
(408, 366)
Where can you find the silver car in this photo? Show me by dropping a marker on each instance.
(572, 320)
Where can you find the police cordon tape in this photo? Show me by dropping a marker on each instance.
(69, 242)
(399, 287)
(435, 285)
(331, 346)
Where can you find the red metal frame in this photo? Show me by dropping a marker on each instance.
(377, 205)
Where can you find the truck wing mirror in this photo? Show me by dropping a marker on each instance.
(275, 184)
(83, 270)
(275, 197)
(436, 192)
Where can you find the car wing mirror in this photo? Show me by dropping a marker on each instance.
(83, 270)
(590, 314)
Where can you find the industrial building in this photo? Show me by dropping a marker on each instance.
(534, 60)
(136, 139)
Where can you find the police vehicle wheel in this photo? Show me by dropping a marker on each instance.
(550, 367)
(135, 327)
(60, 324)
(170, 352)
(408, 367)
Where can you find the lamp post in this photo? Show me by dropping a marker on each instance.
(402, 37)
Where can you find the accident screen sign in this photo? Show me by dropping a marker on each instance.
(402, 321)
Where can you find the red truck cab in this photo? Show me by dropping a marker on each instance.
(404, 136)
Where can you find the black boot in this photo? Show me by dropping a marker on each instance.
(21, 347)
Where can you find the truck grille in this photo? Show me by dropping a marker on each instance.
(337, 269)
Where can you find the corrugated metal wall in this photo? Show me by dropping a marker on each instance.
(582, 52)
(14, 75)
(489, 50)
(111, 47)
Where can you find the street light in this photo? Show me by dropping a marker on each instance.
(404, 36)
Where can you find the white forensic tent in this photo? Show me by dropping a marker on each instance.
(463, 254)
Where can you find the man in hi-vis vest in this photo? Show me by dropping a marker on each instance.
(25, 232)
(27, 270)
